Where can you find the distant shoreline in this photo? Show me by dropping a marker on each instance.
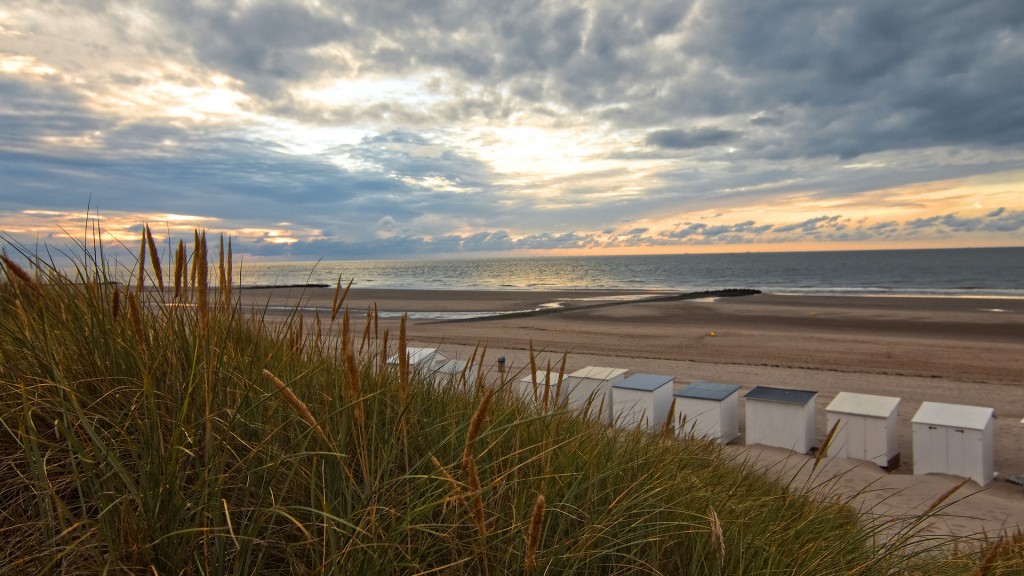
(838, 293)
(928, 273)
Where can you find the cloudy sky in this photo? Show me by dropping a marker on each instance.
(408, 128)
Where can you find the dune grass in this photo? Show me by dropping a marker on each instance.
(156, 432)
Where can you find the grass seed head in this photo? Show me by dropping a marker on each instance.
(298, 405)
(533, 535)
(154, 256)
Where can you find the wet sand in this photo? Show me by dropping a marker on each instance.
(963, 351)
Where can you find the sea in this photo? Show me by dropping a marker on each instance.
(962, 273)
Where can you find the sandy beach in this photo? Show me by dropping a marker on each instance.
(962, 351)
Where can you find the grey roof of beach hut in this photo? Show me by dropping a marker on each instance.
(644, 382)
(784, 395)
(703, 390)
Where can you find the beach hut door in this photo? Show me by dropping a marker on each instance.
(959, 449)
(938, 449)
(856, 437)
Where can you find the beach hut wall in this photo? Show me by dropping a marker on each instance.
(781, 417)
(954, 439)
(421, 358)
(868, 428)
(451, 372)
(590, 390)
(708, 410)
(642, 400)
(532, 396)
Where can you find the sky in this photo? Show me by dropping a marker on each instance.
(324, 129)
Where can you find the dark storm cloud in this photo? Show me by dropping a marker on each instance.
(553, 241)
(264, 44)
(690, 230)
(417, 245)
(1001, 220)
(810, 225)
(749, 229)
(873, 75)
(31, 111)
(696, 138)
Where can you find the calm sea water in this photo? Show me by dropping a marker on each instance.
(961, 273)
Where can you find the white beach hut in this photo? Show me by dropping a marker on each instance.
(642, 400)
(954, 439)
(868, 428)
(591, 388)
(544, 380)
(781, 417)
(708, 410)
(423, 359)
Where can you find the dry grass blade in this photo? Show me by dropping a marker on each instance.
(533, 370)
(403, 363)
(202, 284)
(561, 375)
(318, 336)
(18, 272)
(533, 535)
(366, 330)
(383, 352)
(476, 423)
(989, 561)
(298, 337)
(220, 264)
(346, 328)
(179, 269)
(943, 497)
(456, 487)
(479, 517)
(355, 393)
(825, 445)
(140, 279)
(339, 298)
(480, 368)
(469, 364)
(298, 405)
(195, 258)
(229, 265)
(666, 429)
(547, 387)
(223, 274)
(716, 531)
(154, 256)
(115, 308)
(135, 314)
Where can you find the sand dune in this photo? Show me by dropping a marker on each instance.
(965, 351)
